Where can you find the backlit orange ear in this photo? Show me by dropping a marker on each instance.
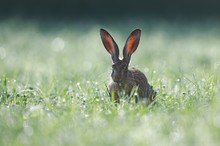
(109, 44)
(107, 41)
(131, 44)
(133, 41)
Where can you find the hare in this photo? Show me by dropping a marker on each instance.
(124, 79)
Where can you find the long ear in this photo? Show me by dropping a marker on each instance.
(131, 44)
(110, 44)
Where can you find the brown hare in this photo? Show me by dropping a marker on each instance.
(124, 79)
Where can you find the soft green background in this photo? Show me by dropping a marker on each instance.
(53, 78)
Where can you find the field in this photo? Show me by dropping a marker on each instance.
(53, 78)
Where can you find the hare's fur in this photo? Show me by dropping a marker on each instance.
(124, 79)
(134, 78)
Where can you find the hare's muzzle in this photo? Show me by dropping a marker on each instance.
(115, 76)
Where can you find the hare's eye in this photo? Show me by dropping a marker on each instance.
(113, 66)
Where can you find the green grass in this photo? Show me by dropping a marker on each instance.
(53, 84)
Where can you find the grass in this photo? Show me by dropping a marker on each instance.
(53, 84)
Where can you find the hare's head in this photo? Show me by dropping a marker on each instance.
(120, 66)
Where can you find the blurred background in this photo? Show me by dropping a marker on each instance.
(47, 37)
(195, 9)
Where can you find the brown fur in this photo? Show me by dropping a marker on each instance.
(123, 80)
(134, 78)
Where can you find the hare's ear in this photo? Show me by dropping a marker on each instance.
(131, 44)
(110, 44)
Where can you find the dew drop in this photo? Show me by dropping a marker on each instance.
(58, 44)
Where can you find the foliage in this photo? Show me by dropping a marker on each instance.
(53, 85)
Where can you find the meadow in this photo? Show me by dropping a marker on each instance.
(53, 78)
